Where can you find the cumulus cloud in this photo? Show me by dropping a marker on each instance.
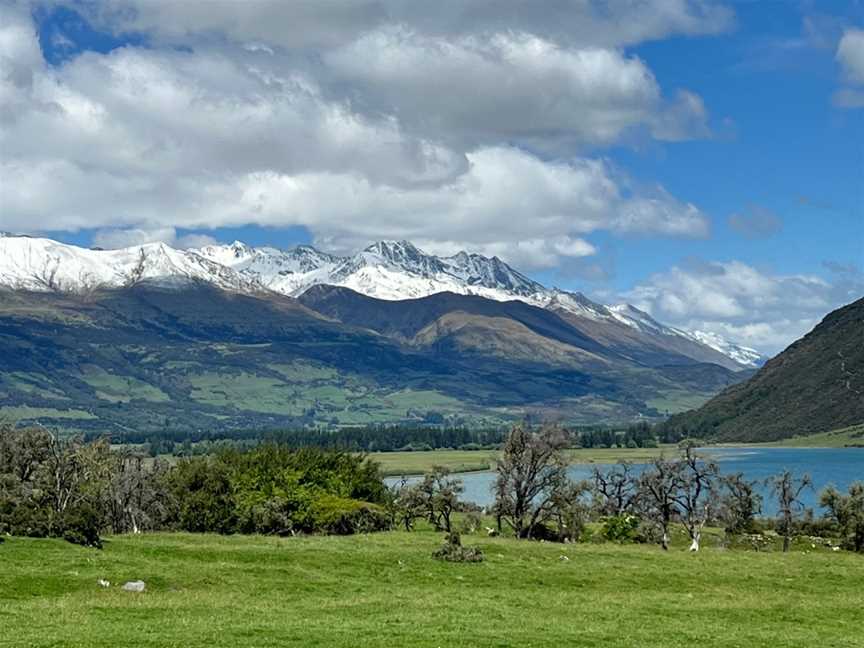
(745, 304)
(850, 56)
(143, 140)
(115, 238)
(305, 25)
(756, 222)
(512, 86)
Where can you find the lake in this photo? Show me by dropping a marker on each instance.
(838, 466)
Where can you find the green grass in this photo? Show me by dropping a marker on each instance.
(24, 412)
(674, 401)
(121, 389)
(414, 463)
(850, 436)
(385, 590)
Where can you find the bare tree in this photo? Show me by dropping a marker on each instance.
(616, 489)
(740, 503)
(133, 499)
(696, 496)
(658, 488)
(788, 490)
(74, 473)
(532, 474)
(436, 497)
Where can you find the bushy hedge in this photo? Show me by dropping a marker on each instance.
(78, 491)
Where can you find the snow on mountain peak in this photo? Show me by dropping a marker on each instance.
(746, 356)
(390, 270)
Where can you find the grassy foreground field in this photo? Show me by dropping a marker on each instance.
(413, 463)
(385, 590)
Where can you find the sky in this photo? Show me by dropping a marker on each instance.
(701, 160)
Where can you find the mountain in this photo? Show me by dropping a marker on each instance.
(387, 270)
(181, 356)
(391, 270)
(466, 322)
(42, 264)
(815, 385)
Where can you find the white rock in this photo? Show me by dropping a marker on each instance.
(134, 586)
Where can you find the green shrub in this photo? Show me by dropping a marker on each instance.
(342, 516)
(453, 551)
(81, 526)
(620, 528)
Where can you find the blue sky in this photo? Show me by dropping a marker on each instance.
(705, 162)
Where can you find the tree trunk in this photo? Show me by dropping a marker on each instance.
(694, 544)
(665, 540)
(786, 542)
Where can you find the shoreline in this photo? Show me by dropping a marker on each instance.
(417, 463)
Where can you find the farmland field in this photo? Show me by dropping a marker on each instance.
(386, 590)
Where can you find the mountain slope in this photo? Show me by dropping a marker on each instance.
(391, 270)
(192, 356)
(815, 385)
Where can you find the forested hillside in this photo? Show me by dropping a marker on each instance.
(815, 385)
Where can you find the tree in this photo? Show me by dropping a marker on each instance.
(696, 495)
(134, 497)
(615, 490)
(658, 488)
(740, 504)
(22, 450)
(532, 476)
(847, 511)
(571, 510)
(75, 476)
(788, 490)
(437, 495)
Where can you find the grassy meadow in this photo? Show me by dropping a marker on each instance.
(844, 437)
(385, 590)
(417, 462)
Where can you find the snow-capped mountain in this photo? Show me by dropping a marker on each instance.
(389, 270)
(45, 265)
(386, 270)
(746, 356)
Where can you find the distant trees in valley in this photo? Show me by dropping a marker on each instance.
(377, 438)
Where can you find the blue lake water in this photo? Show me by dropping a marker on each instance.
(837, 466)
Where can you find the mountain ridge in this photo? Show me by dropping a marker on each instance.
(151, 357)
(391, 270)
(815, 385)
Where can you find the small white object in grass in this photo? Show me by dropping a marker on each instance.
(134, 586)
(564, 558)
(104, 583)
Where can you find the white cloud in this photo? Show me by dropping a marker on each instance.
(747, 305)
(115, 238)
(147, 140)
(850, 54)
(512, 86)
(112, 239)
(316, 25)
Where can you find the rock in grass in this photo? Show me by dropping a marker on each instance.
(134, 586)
